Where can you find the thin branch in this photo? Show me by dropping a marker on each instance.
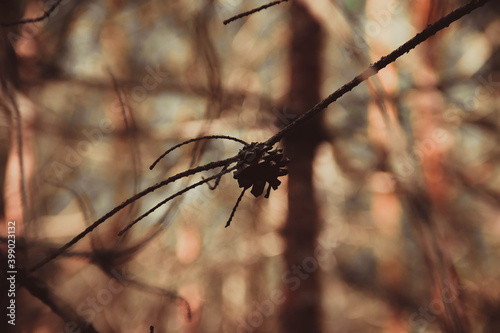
(45, 15)
(184, 190)
(194, 140)
(380, 64)
(250, 12)
(228, 223)
(124, 204)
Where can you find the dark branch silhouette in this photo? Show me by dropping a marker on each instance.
(208, 166)
(226, 137)
(380, 64)
(228, 223)
(184, 190)
(45, 15)
(250, 12)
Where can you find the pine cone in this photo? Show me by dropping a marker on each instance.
(258, 165)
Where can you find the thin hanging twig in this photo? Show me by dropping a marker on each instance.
(226, 137)
(250, 12)
(228, 223)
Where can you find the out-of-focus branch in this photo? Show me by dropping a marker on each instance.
(250, 12)
(40, 290)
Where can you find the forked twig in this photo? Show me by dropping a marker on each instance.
(161, 203)
(124, 204)
(250, 12)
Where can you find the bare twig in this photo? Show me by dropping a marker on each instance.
(380, 64)
(184, 190)
(228, 223)
(208, 166)
(250, 12)
(45, 15)
(194, 140)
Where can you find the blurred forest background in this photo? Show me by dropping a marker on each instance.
(389, 220)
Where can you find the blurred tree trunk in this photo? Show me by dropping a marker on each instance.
(301, 310)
